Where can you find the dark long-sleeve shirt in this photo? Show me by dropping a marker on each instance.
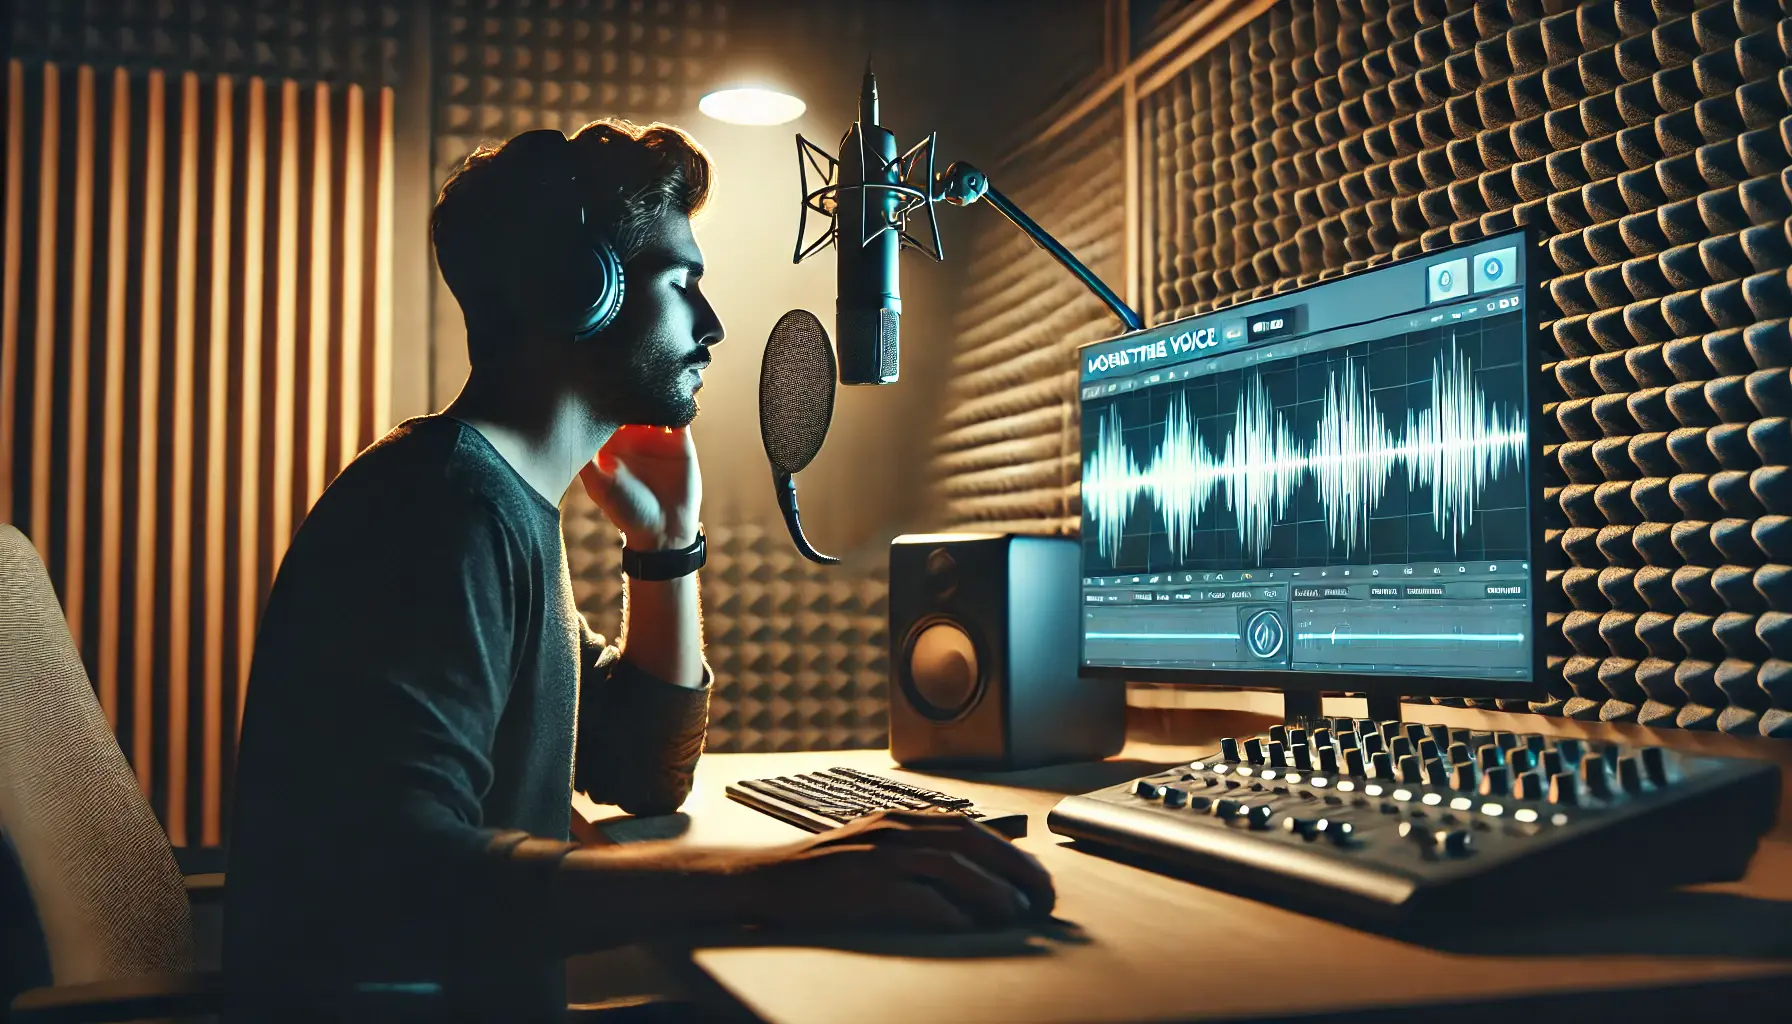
(424, 696)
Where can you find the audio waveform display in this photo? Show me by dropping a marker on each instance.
(1454, 448)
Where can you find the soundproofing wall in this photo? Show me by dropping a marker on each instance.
(1007, 455)
(197, 336)
(1649, 142)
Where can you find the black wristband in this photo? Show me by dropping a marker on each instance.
(666, 565)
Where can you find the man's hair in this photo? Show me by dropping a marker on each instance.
(631, 175)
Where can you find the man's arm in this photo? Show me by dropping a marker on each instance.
(644, 705)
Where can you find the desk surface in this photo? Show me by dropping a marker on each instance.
(1153, 947)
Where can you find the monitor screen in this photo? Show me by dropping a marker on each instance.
(1330, 482)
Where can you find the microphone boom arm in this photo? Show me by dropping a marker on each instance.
(962, 184)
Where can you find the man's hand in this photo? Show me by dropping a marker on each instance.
(912, 869)
(647, 482)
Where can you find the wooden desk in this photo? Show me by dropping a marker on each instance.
(1153, 947)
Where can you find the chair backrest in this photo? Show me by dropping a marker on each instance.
(109, 898)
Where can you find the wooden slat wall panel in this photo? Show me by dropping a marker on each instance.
(196, 336)
(1006, 452)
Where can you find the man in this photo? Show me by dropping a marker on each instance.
(425, 696)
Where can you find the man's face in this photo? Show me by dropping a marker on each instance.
(651, 358)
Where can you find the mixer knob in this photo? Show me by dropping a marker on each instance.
(1303, 758)
(1491, 755)
(1455, 843)
(1597, 776)
(1373, 743)
(1175, 796)
(1506, 740)
(1306, 828)
(1564, 789)
(1341, 833)
(1520, 759)
(1328, 759)
(1410, 770)
(1530, 786)
(1258, 817)
(1388, 730)
(1381, 766)
(1414, 732)
(1495, 781)
(1253, 750)
(1226, 809)
(1400, 747)
(1464, 777)
(1552, 763)
(1460, 754)
(1630, 774)
(1147, 789)
(1297, 737)
(1322, 737)
(1437, 773)
(1278, 734)
(1429, 750)
(1277, 755)
(1229, 748)
(1655, 766)
(1353, 762)
(1440, 734)
(1572, 750)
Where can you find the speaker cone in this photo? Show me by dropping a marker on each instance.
(940, 670)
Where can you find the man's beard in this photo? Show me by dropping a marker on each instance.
(652, 392)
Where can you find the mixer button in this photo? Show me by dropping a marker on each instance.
(1410, 770)
(1495, 781)
(1464, 777)
(1436, 774)
(1564, 788)
(1655, 766)
(1598, 777)
(1530, 786)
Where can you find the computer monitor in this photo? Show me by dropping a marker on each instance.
(1330, 489)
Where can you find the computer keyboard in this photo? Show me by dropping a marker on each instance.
(1391, 819)
(818, 801)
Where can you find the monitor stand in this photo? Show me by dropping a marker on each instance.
(1306, 708)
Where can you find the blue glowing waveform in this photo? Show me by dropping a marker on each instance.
(1455, 447)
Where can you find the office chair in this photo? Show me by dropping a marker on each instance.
(96, 914)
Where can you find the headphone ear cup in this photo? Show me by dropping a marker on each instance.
(607, 272)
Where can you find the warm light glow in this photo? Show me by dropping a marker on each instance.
(752, 106)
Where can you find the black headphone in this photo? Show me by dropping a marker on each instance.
(565, 273)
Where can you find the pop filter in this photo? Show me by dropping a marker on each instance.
(796, 405)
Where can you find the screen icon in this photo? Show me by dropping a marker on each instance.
(1496, 269)
(1447, 280)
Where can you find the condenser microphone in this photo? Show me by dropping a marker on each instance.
(869, 239)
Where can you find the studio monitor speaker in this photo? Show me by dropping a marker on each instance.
(983, 655)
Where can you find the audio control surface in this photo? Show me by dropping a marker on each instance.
(1388, 819)
(818, 801)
